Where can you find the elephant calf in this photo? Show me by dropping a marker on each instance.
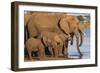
(33, 44)
(52, 46)
(54, 42)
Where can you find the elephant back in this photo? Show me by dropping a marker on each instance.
(32, 41)
(43, 22)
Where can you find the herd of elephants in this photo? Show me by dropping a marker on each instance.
(48, 35)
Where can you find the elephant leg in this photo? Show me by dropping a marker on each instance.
(29, 53)
(51, 51)
(65, 52)
(41, 52)
(65, 47)
(60, 50)
(56, 52)
(54, 47)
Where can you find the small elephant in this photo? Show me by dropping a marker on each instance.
(55, 42)
(33, 44)
(52, 46)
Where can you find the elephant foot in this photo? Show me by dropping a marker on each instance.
(42, 58)
(60, 55)
(52, 56)
(48, 55)
(30, 58)
(66, 56)
(56, 57)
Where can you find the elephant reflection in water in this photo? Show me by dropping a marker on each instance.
(59, 23)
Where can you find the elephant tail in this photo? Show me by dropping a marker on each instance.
(26, 31)
(81, 37)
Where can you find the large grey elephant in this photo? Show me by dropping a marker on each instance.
(67, 25)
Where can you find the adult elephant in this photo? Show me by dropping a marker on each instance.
(75, 28)
(60, 23)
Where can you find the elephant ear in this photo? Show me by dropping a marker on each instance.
(44, 41)
(64, 25)
(69, 23)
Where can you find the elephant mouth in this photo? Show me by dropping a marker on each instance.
(71, 38)
(58, 43)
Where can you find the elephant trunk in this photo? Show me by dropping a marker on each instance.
(81, 37)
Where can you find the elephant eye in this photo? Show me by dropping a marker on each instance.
(58, 43)
(72, 19)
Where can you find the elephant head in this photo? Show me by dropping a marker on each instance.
(73, 26)
(70, 25)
